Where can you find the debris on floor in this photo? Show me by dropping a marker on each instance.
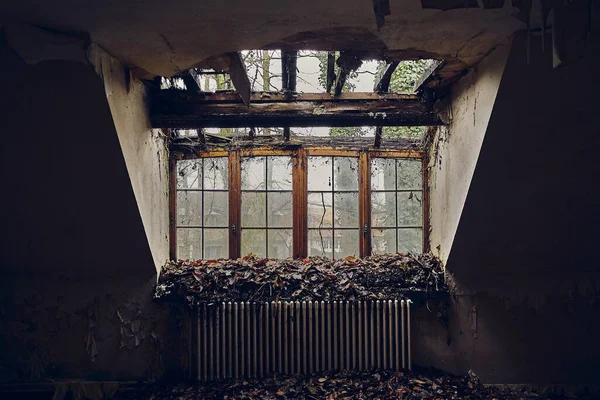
(389, 276)
(377, 384)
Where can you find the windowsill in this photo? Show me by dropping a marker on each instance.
(385, 277)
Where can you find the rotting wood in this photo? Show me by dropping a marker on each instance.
(383, 84)
(289, 65)
(185, 112)
(287, 133)
(190, 81)
(176, 96)
(330, 70)
(378, 135)
(239, 77)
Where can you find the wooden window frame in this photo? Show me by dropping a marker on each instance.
(299, 192)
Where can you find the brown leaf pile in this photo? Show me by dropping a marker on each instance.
(378, 384)
(389, 276)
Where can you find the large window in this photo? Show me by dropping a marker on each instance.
(298, 203)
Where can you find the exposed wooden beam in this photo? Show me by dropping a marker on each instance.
(289, 64)
(190, 81)
(287, 133)
(378, 135)
(330, 70)
(239, 76)
(426, 75)
(347, 62)
(383, 84)
(173, 109)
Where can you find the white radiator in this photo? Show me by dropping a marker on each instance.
(255, 339)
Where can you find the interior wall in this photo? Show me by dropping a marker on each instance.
(76, 268)
(525, 307)
(144, 150)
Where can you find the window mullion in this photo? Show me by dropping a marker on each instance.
(300, 203)
(364, 204)
(235, 204)
(173, 208)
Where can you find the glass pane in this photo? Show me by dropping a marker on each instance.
(320, 243)
(320, 214)
(319, 173)
(253, 173)
(383, 241)
(189, 208)
(346, 173)
(254, 241)
(410, 173)
(346, 243)
(280, 243)
(189, 243)
(346, 210)
(410, 240)
(383, 174)
(188, 174)
(279, 173)
(216, 209)
(280, 209)
(216, 243)
(216, 173)
(410, 209)
(383, 209)
(253, 209)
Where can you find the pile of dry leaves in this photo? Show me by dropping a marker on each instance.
(343, 385)
(388, 276)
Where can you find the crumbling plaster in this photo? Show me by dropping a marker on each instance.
(162, 38)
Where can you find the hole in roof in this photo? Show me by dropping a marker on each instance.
(410, 74)
(264, 69)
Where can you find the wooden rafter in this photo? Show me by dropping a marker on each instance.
(289, 64)
(383, 84)
(330, 70)
(177, 109)
(378, 135)
(239, 76)
(190, 81)
(347, 62)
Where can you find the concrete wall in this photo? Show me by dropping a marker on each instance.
(144, 150)
(522, 259)
(457, 146)
(76, 267)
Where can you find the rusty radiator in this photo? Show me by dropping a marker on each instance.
(256, 339)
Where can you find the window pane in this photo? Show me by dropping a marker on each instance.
(410, 209)
(216, 243)
(319, 173)
(280, 209)
(346, 243)
(410, 173)
(383, 241)
(383, 209)
(319, 242)
(383, 174)
(279, 173)
(189, 208)
(346, 173)
(216, 173)
(410, 239)
(253, 209)
(280, 243)
(188, 174)
(189, 243)
(346, 210)
(253, 173)
(319, 210)
(253, 241)
(216, 209)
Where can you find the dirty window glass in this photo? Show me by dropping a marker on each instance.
(202, 208)
(396, 205)
(333, 207)
(267, 206)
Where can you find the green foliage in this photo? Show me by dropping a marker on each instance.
(407, 74)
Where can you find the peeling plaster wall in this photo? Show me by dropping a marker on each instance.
(144, 149)
(457, 146)
(76, 269)
(525, 308)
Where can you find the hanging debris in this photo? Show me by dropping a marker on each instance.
(389, 276)
(377, 384)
